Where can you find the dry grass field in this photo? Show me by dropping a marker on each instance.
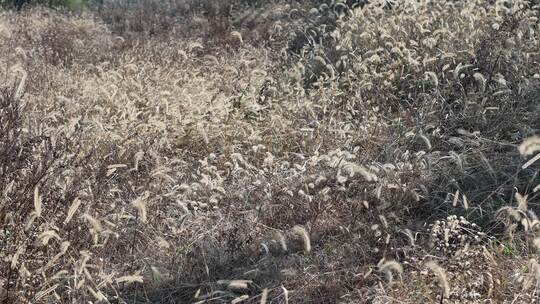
(191, 151)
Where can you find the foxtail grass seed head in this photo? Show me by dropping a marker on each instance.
(30, 220)
(456, 198)
(264, 296)
(530, 145)
(521, 201)
(238, 36)
(140, 205)
(426, 141)
(441, 277)
(41, 294)
(239, 299)
(17, 69)
(388, 268)
(45, 236)
(15, 259)
(536, 243)
(304, 236)
(130, 279)
(37, 202)
(94, 223)
(465, 202)
(162, 243)
(72, 209)
(531, 161)
(239, 284)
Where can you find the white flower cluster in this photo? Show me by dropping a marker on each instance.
(454, 233)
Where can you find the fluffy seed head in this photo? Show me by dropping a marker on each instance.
(45, 236)
(96, 225)
(264, 296)
(388, 267)
(530, 146)
(140, 205)
(130, 279)
(37, 202)
(441, 277)
(72, 209)
(303, 234)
